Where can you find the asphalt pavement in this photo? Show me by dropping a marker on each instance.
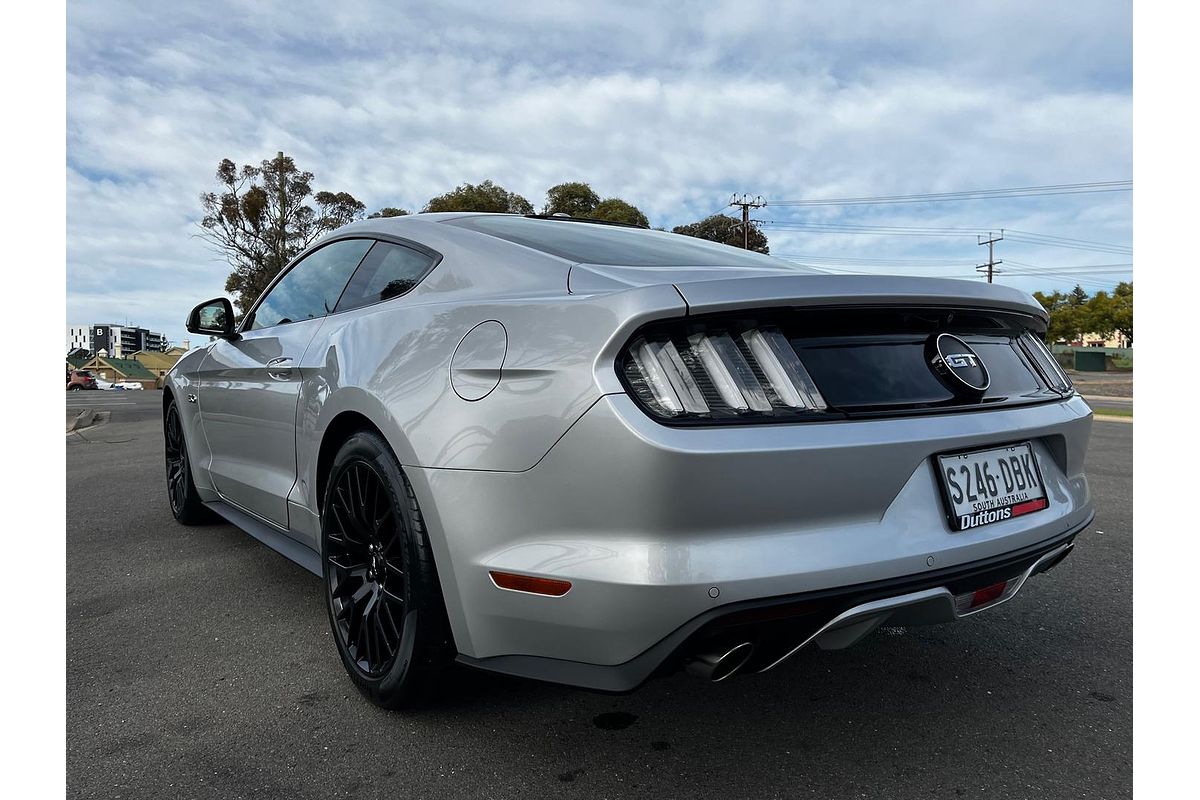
(199, 664)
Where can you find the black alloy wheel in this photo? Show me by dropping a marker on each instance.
(365, 574)
(381, 586)
(177, 462)
(186, 505)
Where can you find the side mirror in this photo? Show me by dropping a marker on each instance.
(214, 318)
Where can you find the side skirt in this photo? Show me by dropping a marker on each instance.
(278, 541)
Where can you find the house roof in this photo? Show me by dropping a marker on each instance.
(154, 360)
(131, 369)
(77, 361)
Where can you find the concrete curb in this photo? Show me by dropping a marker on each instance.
(1106, 418)
(1106, 397)
(82, 420)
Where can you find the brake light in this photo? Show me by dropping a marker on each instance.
(721, 372)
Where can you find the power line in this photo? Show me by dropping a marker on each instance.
(1043, 240)
(950, 262)
(1070, 244)
(977, 194)
(864, 226)
(1123, 265)
(1093, 275)
(1068, 239)
(871, 230)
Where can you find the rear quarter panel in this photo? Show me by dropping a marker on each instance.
(391, 361)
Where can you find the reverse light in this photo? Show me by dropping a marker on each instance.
(733, 371)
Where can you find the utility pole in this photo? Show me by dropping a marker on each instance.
(990, 266)
(747, 202)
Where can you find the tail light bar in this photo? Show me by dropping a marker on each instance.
(720, 372)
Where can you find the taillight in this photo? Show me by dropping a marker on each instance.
(1046, 364)
(731, 371)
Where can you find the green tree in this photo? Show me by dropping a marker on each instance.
(1122, 313)
(1066, 316)
(1099, 316)
(388, 211)
(573, 198)
(260, 218)
(615, 209)
(726, 230)
(485, 196)
(1073, 314)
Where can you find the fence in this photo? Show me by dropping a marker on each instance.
(1088, 359)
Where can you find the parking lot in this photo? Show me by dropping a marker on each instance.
(200, 665)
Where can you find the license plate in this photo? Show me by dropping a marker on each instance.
(987, 486)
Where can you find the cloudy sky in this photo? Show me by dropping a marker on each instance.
(670, 106)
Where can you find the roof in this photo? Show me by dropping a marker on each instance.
(78, 361)
(126, 366)
(152, 359)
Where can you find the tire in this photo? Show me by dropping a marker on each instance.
(73, 387)
(186, 506)
(382, 593)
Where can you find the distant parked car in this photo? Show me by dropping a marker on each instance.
(127, 385)
(78, 379)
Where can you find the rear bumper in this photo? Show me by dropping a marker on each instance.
(779, 627)
(648, 523)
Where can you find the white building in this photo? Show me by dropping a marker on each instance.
(79, 338)
(119, 340)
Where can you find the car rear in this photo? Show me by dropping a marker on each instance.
(83, 379)
(776, 465)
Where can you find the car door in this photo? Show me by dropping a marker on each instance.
(249, 387)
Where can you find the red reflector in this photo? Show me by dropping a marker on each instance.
(528, 583)
(987, 594)
(1032, 505)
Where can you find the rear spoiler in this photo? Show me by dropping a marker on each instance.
(727, 294)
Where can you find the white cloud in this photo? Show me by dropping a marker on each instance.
(671, 111)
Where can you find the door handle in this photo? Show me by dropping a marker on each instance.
(280, 368)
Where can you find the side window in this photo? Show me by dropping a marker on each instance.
(311, 288)
(389, 270)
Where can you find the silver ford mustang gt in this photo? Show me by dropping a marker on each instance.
(588, 453)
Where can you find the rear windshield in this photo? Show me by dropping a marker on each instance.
(591, 243)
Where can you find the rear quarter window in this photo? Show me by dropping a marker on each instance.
(389, 270)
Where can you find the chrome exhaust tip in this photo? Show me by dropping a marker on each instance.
(718, 664)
